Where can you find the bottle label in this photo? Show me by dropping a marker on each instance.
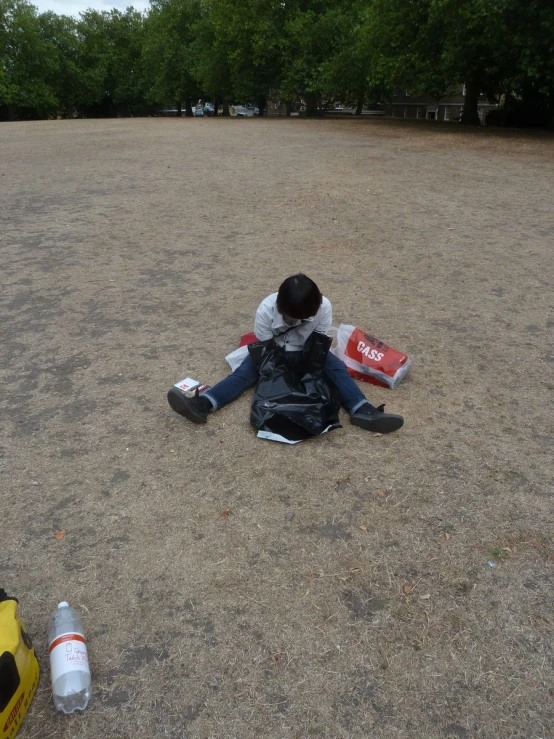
(68, 652)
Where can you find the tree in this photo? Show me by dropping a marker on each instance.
(110, 61)
(255, 58)
(125, 70)
(167, 52)
(402, 45)
(474, 37)
(211, 52)
(345, 73)
(433, 45)
(309, 40)
(62, 73)
(529, 84)
(24, 62)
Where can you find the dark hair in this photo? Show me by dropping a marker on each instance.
(298, 297)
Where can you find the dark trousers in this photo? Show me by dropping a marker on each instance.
(247, 375)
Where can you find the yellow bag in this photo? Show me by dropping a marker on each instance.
(18, 668)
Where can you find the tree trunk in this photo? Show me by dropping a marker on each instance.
(6, 113)
(288, 105)
(261, 105)
(311, 104)
(226, 112)
(216, 106)
(470, 116)
(188, 107)
(179, 110)
(360, 105)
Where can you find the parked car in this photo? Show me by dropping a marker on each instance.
(209, 109)
(241, 111)
(198, 112)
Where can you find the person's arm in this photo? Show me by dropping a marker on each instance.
(325, 320)
(262, 323)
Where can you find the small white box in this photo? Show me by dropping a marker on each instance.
(188, 385)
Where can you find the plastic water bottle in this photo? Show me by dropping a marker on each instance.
(71, 684)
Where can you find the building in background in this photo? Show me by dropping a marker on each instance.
(449, 108)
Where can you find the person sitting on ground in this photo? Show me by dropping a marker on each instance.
(289, 316)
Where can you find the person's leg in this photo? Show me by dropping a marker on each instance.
(196, 409)
(351, 396)
(362, 413)
(233, 385)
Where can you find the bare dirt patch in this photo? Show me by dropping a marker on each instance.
(348, 593)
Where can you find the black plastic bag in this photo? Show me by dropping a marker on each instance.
(293, 400)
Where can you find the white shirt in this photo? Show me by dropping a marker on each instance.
(270, 323)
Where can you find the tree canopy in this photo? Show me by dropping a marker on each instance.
(352, 51)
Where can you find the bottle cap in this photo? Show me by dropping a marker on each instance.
(63, 604)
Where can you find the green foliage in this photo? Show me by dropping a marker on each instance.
(345, 73)
(310, 39)
(432, 45)
(24, 60)
(61, 73)
(255, 58)
(211, 50)
(531, 74)
(108, 63)
(167, 51)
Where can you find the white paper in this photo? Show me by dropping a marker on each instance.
(188, 384)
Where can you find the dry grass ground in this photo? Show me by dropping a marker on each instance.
(348, 592)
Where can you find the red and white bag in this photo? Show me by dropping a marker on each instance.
(368, 358)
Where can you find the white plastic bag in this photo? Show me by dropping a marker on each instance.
(236, 358)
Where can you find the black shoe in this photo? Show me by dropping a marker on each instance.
(375, 419)
(196, 409)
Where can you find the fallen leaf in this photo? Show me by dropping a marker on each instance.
(447, 536)
(380, 494)
(425, 597)
(59, 535)
(344, 481)
(226, 512)
(407, 588)
(363, 528)
(507, 549)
